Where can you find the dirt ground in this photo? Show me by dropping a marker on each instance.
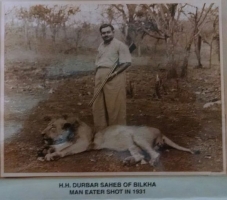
(179, 115)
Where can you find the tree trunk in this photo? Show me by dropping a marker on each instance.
(184, 67)
(53, 36)
(44, 31)
(155, 45)
(197, 42)
(65, 32)
(54, 32)
(78, 38)
(217, 39)
(211, 50)
(27, 40)
(139, 50)
(172, 72)
(37, 29)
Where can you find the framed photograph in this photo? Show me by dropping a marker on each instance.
(94, 88)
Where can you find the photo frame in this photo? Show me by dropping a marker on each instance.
(144, 104)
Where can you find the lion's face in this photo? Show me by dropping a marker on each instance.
(59, 129)
(53, 130)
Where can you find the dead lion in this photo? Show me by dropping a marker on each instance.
(71, 136)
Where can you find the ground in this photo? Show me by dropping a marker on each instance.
(179, 115)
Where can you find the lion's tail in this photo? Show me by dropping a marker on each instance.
(176, 146)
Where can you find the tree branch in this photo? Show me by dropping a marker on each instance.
(154, 36)
(201, 14)
(121, 10)
(211, 5)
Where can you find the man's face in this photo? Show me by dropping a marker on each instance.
(107, 34)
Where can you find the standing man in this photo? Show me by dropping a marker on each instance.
(110, 106)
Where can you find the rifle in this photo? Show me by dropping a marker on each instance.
(132, 47)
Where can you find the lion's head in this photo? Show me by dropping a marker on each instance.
(60, 130)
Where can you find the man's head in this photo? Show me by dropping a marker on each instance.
(107, 32)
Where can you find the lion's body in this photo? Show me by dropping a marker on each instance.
(118, 138)
(121, 138)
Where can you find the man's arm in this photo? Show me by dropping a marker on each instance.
(122, 67)
(124, 59)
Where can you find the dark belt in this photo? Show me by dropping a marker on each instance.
(102, 67)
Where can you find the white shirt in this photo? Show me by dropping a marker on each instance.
(112, 53)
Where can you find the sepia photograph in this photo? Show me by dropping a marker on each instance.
(113, 88)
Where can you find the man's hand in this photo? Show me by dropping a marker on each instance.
(120, 69)
(111, 76)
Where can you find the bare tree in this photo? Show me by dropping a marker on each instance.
(197, 20)
(57, 17)
(39, 13)
(24, 15)
(166, 18)
(210, 34)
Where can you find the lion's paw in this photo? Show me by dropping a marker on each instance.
(129, 161)
(143, 162)
(49, 157)
(154, 161)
